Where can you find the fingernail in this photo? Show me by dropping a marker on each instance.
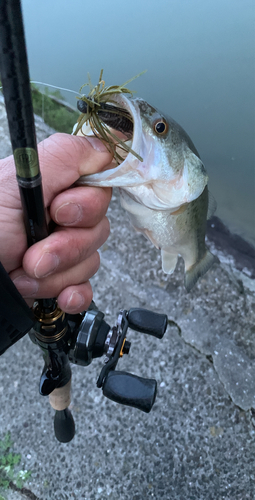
(75, 301)
(26, 286)
(97, 144)
(46, 265)
(68, 213)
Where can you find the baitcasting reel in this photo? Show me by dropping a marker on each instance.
(96, 338)
(81, 338)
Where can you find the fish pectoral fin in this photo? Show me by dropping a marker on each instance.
(199, 269)
(180, 210)
(169, 261)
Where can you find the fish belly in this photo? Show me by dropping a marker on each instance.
(175, 234)
(169, 233)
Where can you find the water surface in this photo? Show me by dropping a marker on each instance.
(200, 58)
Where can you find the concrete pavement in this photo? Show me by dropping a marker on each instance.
(198, 442)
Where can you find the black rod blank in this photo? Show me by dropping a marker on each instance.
(17, 94)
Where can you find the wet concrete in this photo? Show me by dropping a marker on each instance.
(198, 441)
(232, 245)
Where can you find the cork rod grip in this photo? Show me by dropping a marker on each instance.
(60, 398)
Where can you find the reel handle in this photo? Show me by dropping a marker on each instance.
(131, 390)
(145, 321)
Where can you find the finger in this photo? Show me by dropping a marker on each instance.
(81, 206)
(63, 249)
(76, 299)
(53, 286)
(64, 158)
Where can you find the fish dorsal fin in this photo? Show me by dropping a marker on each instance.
(212, 205)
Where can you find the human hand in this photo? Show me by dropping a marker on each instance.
(61, 264)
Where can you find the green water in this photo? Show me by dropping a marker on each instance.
(200, 58)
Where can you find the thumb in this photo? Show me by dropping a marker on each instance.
(64, 158)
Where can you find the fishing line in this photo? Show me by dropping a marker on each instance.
(43, 107)
(55, 87)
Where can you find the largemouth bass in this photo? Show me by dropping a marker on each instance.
(166, 194)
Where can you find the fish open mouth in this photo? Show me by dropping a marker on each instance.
(115, 117)
(115, 123)
(122, 135)
(168, 170)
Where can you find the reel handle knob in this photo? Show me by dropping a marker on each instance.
(131, 390)
(144, 321)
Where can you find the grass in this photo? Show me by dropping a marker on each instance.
(10, 473)
(55, 114)
(53, 110)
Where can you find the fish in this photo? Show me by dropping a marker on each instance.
(166, 194)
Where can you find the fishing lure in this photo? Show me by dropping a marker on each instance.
(97, 102)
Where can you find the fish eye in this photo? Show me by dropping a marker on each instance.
(160, 127)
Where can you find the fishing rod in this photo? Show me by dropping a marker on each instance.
(63, 338)
(18, 101)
